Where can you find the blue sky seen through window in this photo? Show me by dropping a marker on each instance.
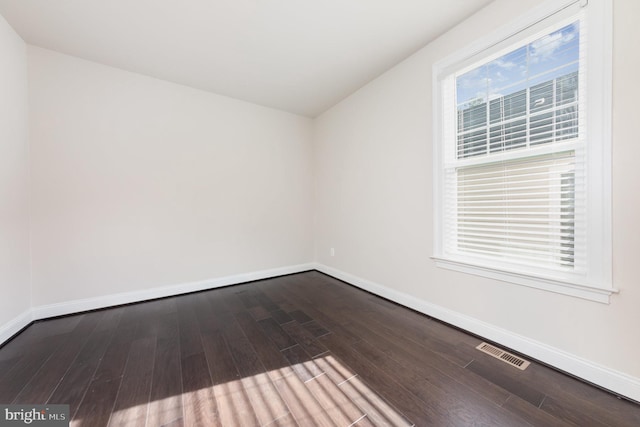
(544, 59)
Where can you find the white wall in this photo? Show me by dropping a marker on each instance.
(15, 294)
(140, 183)
(373, 161)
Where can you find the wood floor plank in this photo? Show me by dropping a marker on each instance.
(234, 406)
(285, 421)
(316, 329)
(301, 402)
(242, 352)
(280, 338)
(207, 321)
(73, 386)
(165, 402)
(225, 302)
(189, 326)
(567, 414)
(265, 400)
(53, 370)
(321, 322)
(301, 363)
(259, 313)
(271, 358)
(97, 404)
(507, 382)
(222, 368)
(38, 331)
(114, 360)
(466, 401)
(7, 364)
(421, 331)
(75, 383)
(448, 402)
(378, 411)
(132, 402)
(304, 338)
(533, 415)
(439, 371)
(299, 300)
(364, 421)
(21, 373)
(583, 397)
(334, 401)
(247, 299)
(383, 383)
(298, 350)
(148, 324)
(264, 301)
(200, 406)
(410, 325)
(273, 289)
(333, 369)
(281, 317)
(300, 316)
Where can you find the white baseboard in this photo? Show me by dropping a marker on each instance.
(70, 307)
(14, 326)
(603, 376)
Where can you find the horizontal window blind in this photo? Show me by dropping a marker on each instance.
(520, 211)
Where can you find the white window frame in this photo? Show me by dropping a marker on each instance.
(596, 283)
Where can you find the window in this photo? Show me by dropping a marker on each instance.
(522, 152)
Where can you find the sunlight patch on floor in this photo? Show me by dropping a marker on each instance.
(330, 393)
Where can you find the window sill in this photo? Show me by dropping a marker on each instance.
(587, 292)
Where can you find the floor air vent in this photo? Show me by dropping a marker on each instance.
(505, 356)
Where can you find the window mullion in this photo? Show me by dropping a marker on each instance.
(528, 104)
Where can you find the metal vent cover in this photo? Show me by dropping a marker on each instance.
(505, 356)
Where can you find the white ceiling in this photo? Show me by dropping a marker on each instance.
(300, 56)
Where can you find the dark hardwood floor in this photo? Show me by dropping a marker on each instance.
(301, 350)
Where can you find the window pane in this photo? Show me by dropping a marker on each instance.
(522, 99)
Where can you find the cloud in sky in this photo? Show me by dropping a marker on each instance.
(545, 47)
(502, 63)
